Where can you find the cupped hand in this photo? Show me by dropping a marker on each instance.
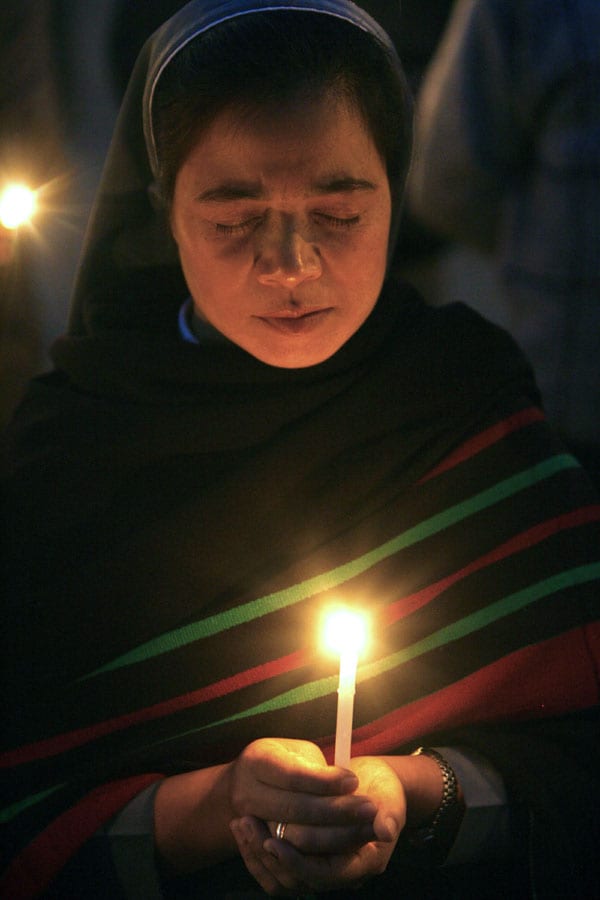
(328, 856)
(285, 780)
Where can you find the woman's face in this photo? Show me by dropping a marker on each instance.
(282, 224)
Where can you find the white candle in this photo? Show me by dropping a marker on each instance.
(345, 633)
(345, 707)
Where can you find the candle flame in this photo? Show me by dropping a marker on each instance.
(17, 205)
(344, 630)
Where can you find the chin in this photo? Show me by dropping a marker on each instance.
(295, 357)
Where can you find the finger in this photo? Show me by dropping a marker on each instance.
(320, 873)
(380, 782)
(290, 767)
(286, 866)
(273, 876)
(327, 781)
(306, 809)
(386, 827)
(243, 833)
(276, 805)
(326, 840)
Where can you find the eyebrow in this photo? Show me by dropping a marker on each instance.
(343, 184)
(232, 190)
(242, 190)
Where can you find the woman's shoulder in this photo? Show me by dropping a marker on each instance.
(53, 422)
(453, 347)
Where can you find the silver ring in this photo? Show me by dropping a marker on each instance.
(280, 830)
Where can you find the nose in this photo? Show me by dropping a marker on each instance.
(285, 257)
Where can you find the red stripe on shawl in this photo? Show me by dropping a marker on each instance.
(551, 678)
(63, 742)
(403, 607)
(485, 439)
(33, 870)
(534, 535)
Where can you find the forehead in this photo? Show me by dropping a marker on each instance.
(302, 141)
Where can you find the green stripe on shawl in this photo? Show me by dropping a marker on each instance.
(11, 812)
(467, 625)
(262, 606)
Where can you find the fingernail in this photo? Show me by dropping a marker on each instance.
(366, 811)
(271, 849)
(391, 827)
(367, 833)
(349, 783)
(237, 831)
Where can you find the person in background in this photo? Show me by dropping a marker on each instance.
(31, 154)
(250, 420)
(507, 161)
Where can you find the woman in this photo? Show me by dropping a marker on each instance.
(248, 423)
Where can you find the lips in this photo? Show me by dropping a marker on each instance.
(296, 323)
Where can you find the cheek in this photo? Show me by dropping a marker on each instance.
(175, 223)
(219, 287)
(365, 261)
(191, 251)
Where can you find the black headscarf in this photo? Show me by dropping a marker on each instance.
(129, 251)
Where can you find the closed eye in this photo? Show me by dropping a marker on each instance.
(238, 227)
(337, 222)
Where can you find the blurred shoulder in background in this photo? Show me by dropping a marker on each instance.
(507, 163)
